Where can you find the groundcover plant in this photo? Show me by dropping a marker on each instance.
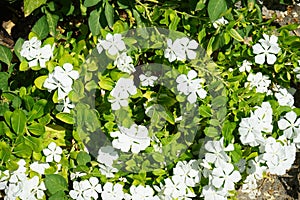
(147, 100)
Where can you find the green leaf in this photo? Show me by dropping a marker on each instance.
(205, 111)
(200, 5)
(94, 22)
(41, 28)
(83, 158)
(4, 81)
(22, 150)
(5, 151)
(18, 47)
(211, 132)
(66, 117)
(89, 3)
(233, 33)
(109, 14)
(31, 5)
(216, 8)
(106, 83)
(219, 101)
(60, 195)
(55, 183)
(39, 81)
(36, 129)
(18, 121)
(5, 55)
(37, 110)
(52, 22)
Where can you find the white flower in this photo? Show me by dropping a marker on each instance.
(124, 63)
(225, 175)
(216, 152)
(39, 168)
(118, 102)
(250, 186)
(135, 138)
(278, 158)
(191, 86)
(29, 48)
(76, 175)
(175, 188)
(112, 43)
(256, 167)
(52, 152)
(107, 170)
(264, 116)
(4, 176)
(94, 188)
(65, 105)
(181, 49)
(111, 191)
(65, 74)
(211, 193)
(189, 172)
(32, 189)
(241, 165)
(51, 83)
(250, 131)
(13, 191)
(124, 88)
(266, 49)
(78, 190)
(258, 81)
(220, 22)
(107, 155)
(290, 125)
(43, 55)
(284, 97)
(147, 80)
(141, 193)
(246, 66)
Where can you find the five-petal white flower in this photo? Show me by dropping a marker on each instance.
(112, 43)
(52, 153)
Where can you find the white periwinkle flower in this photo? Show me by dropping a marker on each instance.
(175, 188)
(180, 49)
(52, 153)
(39, 167)
(258, 81)
(94, 188)
(246, 66)
(250, 186)
(135, 138)
(225, 175)
(267, 48)
(220, 22)
(32, 189)
(211, 193)
(290, 125)
(118, 102)
(191, 86)
(4, 176)
(78, 190)
(107, 155)
(147, 80)
(124, 88)
(279, 158)
(108, 170)
(111, 191)
(65, 105)
(51, 83)
(284, 98)
(141, 193)
(124, 63)
(35, 54)
(189, 172)
(112, 43)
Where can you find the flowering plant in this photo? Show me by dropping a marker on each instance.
(195, 109)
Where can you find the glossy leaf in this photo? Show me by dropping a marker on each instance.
(18, 121)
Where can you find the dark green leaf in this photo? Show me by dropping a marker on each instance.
(18, 121)
(4, 80)
(109, 14)
(60, 195)
(36, 129)
(31, 5)
(55, 183)
(83, 158)
(52, 22)
(216, 8)
(89, 3)
(41, 28)
(94, 22)
(5, 55)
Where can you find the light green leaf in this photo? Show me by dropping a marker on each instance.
(216, 8)
(66, 117)
(5, 55)
(89, 3)
(205, 111)
(200, 5)
(41, 28)
(39, 81)
(22, 150)
(31, 5)
(36, 129)
(18, 121)
(233, 33)
(55, 183)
